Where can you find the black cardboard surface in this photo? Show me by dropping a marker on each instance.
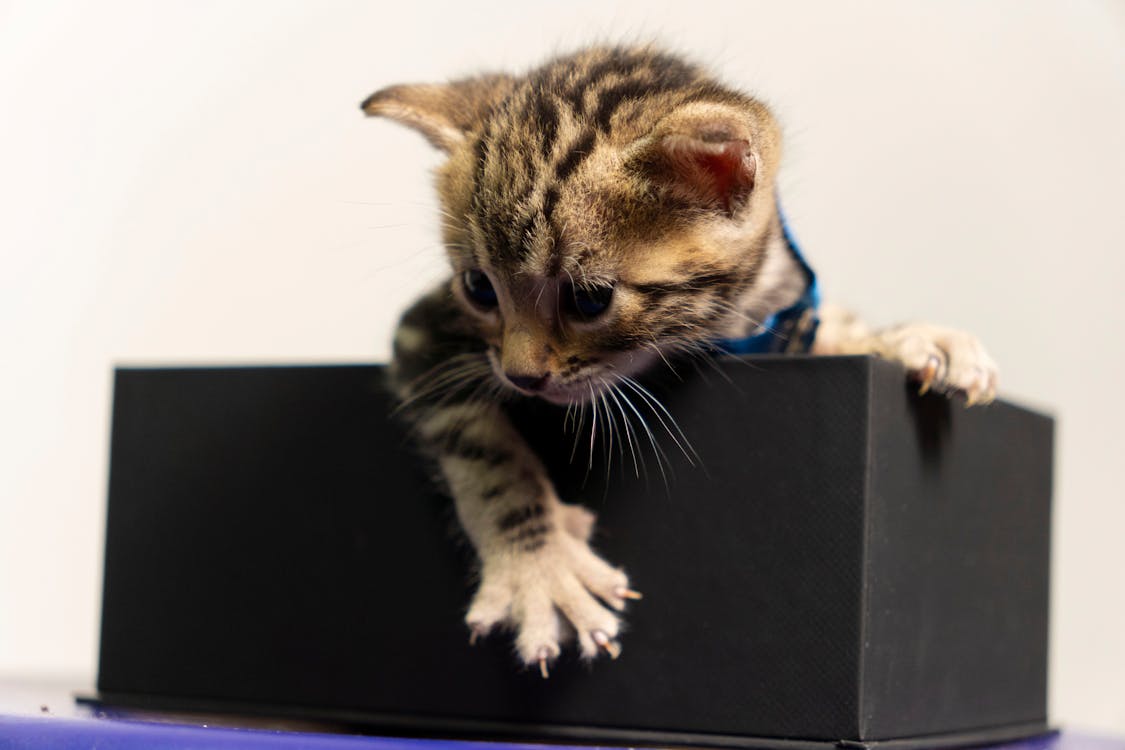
(852, 562)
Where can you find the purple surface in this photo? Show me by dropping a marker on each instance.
(19, 732)
(45, 717)
(1068, 741)
(114, 734)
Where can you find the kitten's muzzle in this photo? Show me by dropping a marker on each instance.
(530, 383)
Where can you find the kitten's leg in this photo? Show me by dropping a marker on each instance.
(941, 358)
(535, 560)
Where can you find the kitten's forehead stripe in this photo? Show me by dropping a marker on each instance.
(637, 88)
(521, 167)
(547, 117)
(575, 154)
(550, 198)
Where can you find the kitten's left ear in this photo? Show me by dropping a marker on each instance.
(704, 154)
(443, 112)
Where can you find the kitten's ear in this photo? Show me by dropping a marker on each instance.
(702, 154)
(443, 112)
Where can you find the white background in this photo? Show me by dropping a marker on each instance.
(193, 182)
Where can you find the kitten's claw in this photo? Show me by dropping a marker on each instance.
(941, 359)
(611, 647)
(544, 655)
(623, 593)
(927, 374)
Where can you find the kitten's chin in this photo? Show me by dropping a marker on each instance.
(618, 366)
(577, 392)
(560, 395)
(622, 365)
(566, 396)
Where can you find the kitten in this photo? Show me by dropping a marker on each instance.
(604, 212)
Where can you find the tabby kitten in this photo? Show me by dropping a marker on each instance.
(603, 213)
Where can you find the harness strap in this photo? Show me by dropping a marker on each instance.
(790, 330)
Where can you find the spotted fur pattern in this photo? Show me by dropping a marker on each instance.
(623, 176)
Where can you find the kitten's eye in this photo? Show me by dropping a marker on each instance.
(479, 288)
(590, 302)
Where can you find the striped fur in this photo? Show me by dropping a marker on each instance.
(623, 169)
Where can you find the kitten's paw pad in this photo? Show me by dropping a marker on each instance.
(943, 359)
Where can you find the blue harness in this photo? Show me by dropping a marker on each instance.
(790, 330)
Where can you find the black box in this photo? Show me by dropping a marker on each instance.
(852, 562)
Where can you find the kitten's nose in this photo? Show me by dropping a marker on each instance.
(528, 382)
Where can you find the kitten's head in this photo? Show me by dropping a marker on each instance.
(607, 209)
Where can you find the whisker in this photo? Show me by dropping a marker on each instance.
(660, 352)
(739, 313)
(707, 356)
(452, 373)
(712, 352)
(578, 429)
(658, 450)
(593, 428)
(610, 422)
(658, 408)
(444, 379)
(460, 385)
(629, 436)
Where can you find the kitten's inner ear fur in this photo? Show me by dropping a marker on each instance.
(444, 113)
(703, 155)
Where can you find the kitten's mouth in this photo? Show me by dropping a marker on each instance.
(584, 388)
(571, 393)
(562, 394)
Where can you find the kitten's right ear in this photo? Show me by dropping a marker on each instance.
(707, 154)
(443, 112)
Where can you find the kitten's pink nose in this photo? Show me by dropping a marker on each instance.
(532, 383)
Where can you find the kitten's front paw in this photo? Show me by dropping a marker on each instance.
(943, 359)
(550, 594)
